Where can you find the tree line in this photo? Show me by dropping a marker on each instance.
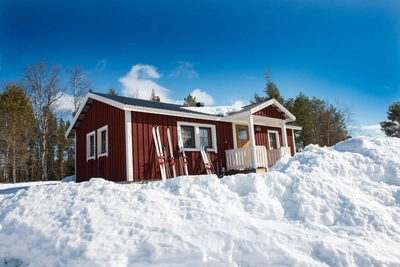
(322, 123)
(33, 146)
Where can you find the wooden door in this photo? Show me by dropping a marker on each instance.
(242, 136)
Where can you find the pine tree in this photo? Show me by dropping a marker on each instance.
(16, 127)
(154, 97)
(391, 127)
(112, 92)
(189, 101)
(271, 91)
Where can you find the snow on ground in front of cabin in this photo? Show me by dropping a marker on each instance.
(218, 111)
(337, 206)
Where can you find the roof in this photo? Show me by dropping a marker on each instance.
(147, 103)
(253, 108)
(147, 106)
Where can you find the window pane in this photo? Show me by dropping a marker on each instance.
(91, 146)
(188, 136)
(272, 141)
(242, 134)
(103, 142)
(205, 137)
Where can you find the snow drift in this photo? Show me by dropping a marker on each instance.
(337, 206)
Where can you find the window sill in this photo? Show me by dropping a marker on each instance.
(102, 155)
(198, 150)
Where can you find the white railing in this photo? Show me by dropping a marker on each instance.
(276, 154)
(242, 158)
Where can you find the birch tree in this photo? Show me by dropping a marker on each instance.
(43, 87)
(78, 84)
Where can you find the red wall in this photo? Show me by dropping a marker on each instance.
(113, 166)
(144, 154)
(270, 112)
(262, 137)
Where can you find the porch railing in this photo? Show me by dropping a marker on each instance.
(276, 154)
(242, 158)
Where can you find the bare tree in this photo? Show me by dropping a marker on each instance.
(43, 87)
(79, 84)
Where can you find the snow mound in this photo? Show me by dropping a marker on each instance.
(337, 206)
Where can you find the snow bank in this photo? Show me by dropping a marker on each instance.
(336, 206)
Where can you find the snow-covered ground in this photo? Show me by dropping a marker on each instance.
(336, 206)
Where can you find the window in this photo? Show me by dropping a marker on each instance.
(273, 137)
(102, 139)
(90, 145)
(205, 137)
(242, 134)
(187, 133)
(195, 135)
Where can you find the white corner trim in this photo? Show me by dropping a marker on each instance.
(129, 151)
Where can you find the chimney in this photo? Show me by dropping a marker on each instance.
(200, 104)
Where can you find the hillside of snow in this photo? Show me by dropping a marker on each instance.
(337, 206)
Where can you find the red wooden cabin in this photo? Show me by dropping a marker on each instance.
(114, 141)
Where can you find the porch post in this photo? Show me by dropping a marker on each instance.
(251, 131)
(284, 134)
(252, 142)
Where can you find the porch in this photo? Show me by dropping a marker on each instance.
(253, 157)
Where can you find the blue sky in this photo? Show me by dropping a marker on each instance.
(340, 51)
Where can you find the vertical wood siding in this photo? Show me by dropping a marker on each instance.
(270, 112)
(144, 155)
(113, 166)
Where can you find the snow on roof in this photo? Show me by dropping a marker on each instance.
(336, 206)
(217, 111)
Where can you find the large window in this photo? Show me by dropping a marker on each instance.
(102, 138)
(90, 146)
(195, 135)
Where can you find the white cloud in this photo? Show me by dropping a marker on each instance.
(238, 104)
(139, 81)
(367, 130)
(101, 65)
(65, 103)
(251, 78)
(202, 96)
(371, 127)
(184, 69)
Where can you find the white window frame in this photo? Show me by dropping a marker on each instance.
(278, 143)
(99, 131)
(197, 127)
(88, 157)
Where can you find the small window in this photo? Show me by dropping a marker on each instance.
(242, 134)
(273, 139)
(90, 145)
(188, 136)
(205, 137)
(102, 141)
